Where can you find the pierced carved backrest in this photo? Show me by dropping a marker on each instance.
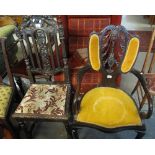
(42, 43)
(108, 52)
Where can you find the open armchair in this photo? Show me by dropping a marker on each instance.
(106, 107)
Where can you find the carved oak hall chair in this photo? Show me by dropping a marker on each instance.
(7, 91)
(45, 100)
(107, 107)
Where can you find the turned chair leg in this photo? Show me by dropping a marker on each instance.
(20, 85)
(75, 133)
(30, 131)
(68, 130)
(140, 134)
(23, 132)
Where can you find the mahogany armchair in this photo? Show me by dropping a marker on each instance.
(107, 107)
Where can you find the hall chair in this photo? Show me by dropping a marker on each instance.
(107, 107)
(7, 98)
(19, 70)
(45, 56)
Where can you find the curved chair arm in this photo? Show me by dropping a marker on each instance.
(77, 98)
(142, 81)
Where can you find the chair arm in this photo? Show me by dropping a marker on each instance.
(142, 81)
(77, 98)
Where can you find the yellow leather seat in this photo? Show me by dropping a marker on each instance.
(109, 108)
(5, 94)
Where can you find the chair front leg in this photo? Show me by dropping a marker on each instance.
(68, 130)
(23, 131)
(20, 85)
(140, 134)
(75, 133)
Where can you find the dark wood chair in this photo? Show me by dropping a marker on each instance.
(107, 107)
(7, 99)
(45, 56)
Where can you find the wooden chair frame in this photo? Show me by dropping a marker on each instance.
(110, 67)
(44, 66)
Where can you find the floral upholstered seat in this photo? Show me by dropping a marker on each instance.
(43, 99)
(5, 95)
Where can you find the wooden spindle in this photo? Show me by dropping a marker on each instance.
(36, 51)
(146, 63)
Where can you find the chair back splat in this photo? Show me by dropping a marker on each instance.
(42, 43)
(113, 45)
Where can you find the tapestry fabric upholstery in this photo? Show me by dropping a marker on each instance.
(44, 99)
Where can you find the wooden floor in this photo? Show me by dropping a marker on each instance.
(6, 134)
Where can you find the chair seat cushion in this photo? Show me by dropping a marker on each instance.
(43, 99)
(5, 95)
(109, 108)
